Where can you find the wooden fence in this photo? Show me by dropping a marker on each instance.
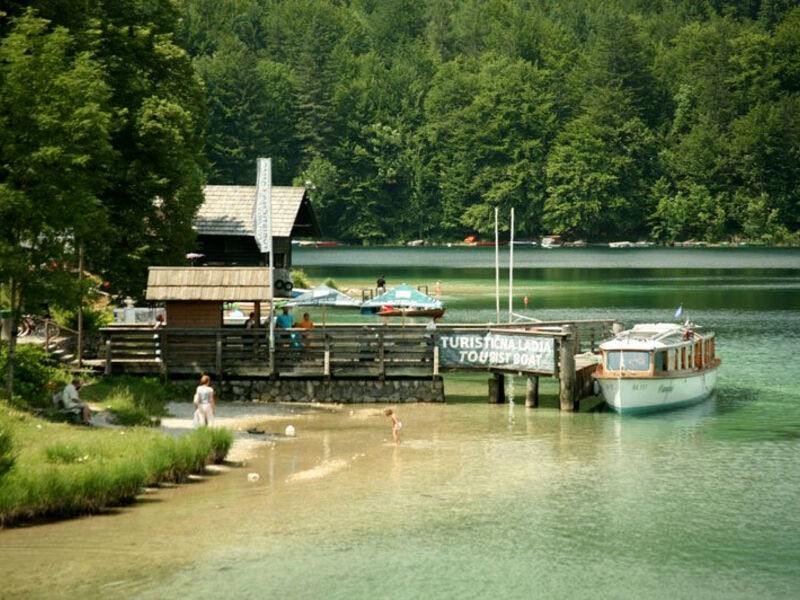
(379, 351)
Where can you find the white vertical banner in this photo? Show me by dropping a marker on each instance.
(262, 217)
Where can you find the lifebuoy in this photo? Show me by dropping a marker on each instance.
(279, 284)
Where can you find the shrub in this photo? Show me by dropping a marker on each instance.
(132, 400)
(36, 374)
(93, 319)
(331, 283)
(300, 279)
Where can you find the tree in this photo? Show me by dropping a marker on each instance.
(54, 153)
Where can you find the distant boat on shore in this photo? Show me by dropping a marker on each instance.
(552, 241)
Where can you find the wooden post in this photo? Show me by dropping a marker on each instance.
(436, 360)
(163, 333)
(107, 370)
(218, 361)
(497, 390)
(381, 354)
(567, 394)
(326, 365)
(80, 306)
(532, 392)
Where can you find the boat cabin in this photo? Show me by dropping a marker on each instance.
(658, 349)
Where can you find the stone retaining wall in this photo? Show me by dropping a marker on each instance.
(344, 391)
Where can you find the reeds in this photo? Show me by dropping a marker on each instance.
(63, 470)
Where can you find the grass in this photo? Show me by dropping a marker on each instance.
(62, 470)
(132, 400)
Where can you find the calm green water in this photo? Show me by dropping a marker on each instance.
(498, 501)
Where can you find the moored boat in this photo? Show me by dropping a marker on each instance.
(657, 366)
(389, 311)
(552, 241)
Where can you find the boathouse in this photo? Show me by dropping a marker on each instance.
(225, 225)
(194, 296)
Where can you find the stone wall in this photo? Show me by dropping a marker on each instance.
(344, 391)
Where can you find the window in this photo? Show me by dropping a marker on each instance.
(661, 361)
(612, 360)
(636, 361)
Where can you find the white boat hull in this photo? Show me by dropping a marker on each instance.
(640, 394)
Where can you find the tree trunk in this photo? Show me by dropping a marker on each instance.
(12, 341)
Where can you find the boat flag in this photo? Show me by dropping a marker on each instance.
(679, 312)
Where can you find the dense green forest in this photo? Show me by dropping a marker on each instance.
(406, 119)
(596, 119)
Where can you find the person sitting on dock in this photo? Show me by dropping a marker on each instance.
(380, 284)
(72, 403)
(306, 323)
(251, 321)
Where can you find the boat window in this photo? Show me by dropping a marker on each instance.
(612, 360)
(661, 361)
(636, 361)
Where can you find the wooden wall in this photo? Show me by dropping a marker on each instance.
(194, 314)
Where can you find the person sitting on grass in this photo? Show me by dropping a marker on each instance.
(71, 401)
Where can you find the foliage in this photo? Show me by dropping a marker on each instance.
(300, 279)
(93, 318)
(37, 375)
(409, 120)
(331, 283)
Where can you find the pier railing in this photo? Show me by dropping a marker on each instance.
(373, 350)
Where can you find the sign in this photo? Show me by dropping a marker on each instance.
(497, 350)
(262, 217)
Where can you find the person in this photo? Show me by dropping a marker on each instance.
(381, 284)
(72, 402)
(159, 322)
(438, 288)
(396, 424)
(251, 321)
(430, 334)
(284, 320)
(306, 323)
(204, 402)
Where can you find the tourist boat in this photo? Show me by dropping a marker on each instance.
(657, 366)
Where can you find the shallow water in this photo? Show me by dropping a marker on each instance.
(484, 500)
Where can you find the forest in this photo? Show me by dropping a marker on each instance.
(599, 120)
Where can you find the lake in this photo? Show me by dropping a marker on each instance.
(492, 501)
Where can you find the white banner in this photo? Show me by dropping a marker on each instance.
(497, 350)
(262, 217)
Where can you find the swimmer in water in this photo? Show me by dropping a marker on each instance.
(396, 424)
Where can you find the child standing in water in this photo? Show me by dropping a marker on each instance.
(396, 424)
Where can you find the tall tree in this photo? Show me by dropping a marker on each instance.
(55, 151)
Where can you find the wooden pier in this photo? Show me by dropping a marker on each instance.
(365, 351)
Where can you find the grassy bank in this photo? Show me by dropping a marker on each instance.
(62, 470)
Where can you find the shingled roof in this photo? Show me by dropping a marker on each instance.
(229, 210)
(208, 283)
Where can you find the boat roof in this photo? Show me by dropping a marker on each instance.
(649, 336)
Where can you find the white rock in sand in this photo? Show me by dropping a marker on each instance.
(289, 431)
(253, 477)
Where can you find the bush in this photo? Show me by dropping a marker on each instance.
(331, 283)
(300, 279)
(36, 375)
(93, 319)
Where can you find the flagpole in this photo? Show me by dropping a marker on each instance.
(511, 268)
(496, 267)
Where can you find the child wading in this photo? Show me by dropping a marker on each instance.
(396, 424)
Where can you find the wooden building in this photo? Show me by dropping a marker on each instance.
(225, 225)
(194, 296)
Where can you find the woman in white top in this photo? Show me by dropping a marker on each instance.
(204, 400)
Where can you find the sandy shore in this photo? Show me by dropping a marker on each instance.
(239, 417)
